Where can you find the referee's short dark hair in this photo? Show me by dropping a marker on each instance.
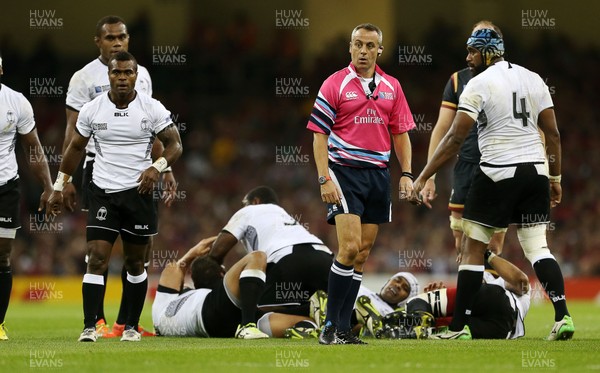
(264, 193)
(108, 20)
(123, 56)
(206, 273)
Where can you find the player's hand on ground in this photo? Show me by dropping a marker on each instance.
(434, 286)
(54, 204)
(147, 180)
(555, 194)
(330, 193)
(428, 193)
(70, 196)
(170, 188)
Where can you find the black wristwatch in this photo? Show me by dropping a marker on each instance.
(486, 255)
(323, 179)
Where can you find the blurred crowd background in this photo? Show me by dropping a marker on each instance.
(225, 86)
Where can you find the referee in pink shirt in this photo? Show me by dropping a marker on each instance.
(356, 110)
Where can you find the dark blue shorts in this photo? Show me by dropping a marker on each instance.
(365, 192)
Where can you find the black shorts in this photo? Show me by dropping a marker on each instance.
(461, 182)
(128, 213)
(86, 180)
(293, 279)
(492, 316)
(220, 315)
(521, 199)
(10, 196)
(365, 192)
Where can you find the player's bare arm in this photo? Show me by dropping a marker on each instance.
(174, 273)
(69, 191)
(329, 191)
(224, 243)
(444, 121)
(547, 124)
(515, 279)
(173, 149)
(71, 158)
(449, 147)
(38, 165)
(168, 178)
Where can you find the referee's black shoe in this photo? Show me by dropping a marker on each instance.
(328, 334)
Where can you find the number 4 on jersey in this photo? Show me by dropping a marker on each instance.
(523, 114)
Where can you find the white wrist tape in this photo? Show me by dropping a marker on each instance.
(555, 179)
(160, 164)
(61, 180)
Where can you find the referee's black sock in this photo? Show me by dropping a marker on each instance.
(550, 276)
(5, 289)
(125, 296)
(138, 287)
(340, 280)
(348, 306)
(467, 285)
(91, 289)
(252, 282)
(100, 313)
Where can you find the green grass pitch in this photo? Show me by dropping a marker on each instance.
(44, 337)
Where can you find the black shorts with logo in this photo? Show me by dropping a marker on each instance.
(129, 213)
(10, 197)
(521, 199)
(365, 192)
(462, 177)
(492, 316)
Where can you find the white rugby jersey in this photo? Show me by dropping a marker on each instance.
(180, 315)
(92, 80)
(511, 97)
(269, 228)
(16, 116)
(380, 305)
(123, 138)
(520, 302)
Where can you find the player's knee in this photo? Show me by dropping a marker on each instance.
(534, 244)
(97, 263)
(361, 258)
(258, 257)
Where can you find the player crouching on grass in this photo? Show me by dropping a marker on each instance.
(221, 305)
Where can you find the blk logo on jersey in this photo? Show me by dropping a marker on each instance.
(125, 114)
(142, 227)
(5, 220)
(101, 214)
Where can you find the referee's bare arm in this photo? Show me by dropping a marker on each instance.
(173, 149)
(329, 191)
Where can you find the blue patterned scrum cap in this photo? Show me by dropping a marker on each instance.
(488, 42)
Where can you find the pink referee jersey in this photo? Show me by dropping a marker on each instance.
(358, 124)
